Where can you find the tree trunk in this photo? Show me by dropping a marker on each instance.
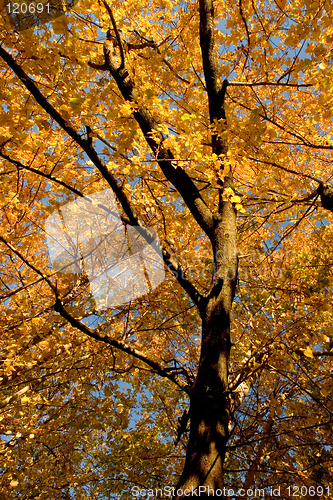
(209, 403)
(209, 412)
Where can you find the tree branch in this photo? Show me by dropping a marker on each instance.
(306, 176)
(258, 84)
(177, 176)
(245, 24)
(249, 480)
(114, 25)
(41, 173)
(179, 273)
(29, 264)
(209, 58)
(326, 195)
(210, 67)
(67, 127)
(155, 46)
(156, 367)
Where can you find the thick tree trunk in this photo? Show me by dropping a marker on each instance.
(210, 404)
(209, 413)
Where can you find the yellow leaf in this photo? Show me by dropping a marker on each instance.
(308, 352)
(59, 25)
(125, 109)
(240, 208)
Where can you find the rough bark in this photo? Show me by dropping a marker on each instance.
(210, 404)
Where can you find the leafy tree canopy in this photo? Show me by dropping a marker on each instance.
(211, 122)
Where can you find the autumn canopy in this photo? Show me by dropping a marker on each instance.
(210, 123)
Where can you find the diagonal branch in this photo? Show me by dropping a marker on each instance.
(156, 367)
(41, 173)
(177, 176)
(245, 24)
(179, 273)
(210, 61)
(114, 25)
(260, 84)
(85, 144)
(29, 264)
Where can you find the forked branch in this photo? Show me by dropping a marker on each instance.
(176, 175)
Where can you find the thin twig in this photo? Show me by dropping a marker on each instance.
(257, 84)
(289, 170)
(29, 264)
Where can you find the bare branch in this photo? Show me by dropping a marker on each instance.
(258, 84)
